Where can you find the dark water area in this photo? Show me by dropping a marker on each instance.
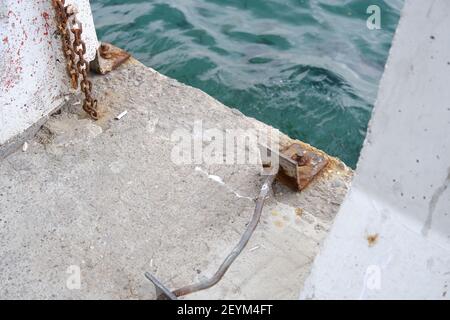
(308, 67)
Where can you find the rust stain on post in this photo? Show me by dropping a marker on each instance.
(372, 239)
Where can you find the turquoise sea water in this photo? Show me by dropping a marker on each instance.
(308, 67)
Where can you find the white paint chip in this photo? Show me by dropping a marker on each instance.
(25, 147)
(220, 181)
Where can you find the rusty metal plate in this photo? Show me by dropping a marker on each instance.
(298, 166)
(108, 58)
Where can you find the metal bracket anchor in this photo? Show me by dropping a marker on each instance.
(108, 58)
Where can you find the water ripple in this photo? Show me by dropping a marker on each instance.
(308, 67)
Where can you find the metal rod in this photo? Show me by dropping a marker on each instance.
(208, 283)
(162, 293)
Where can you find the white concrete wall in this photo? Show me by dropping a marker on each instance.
(400, 195)
(33, 78)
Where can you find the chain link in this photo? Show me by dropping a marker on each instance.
(76, 68)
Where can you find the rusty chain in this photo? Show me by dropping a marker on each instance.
(62, 18)
(76, 68)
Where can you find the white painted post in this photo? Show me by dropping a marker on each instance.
(391, 237)
(33, 77)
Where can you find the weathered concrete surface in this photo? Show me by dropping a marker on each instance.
(105, 196)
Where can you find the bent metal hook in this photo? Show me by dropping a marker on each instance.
(163, 293)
